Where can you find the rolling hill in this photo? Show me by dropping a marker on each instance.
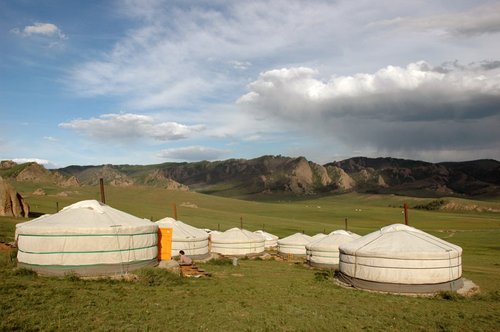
(283, 175)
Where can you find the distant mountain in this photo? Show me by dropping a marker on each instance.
(391, 175)
(298, 176)
(33, 172)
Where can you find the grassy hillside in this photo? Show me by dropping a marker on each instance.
(257, 295)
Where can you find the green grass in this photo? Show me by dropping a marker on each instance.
(256, 295)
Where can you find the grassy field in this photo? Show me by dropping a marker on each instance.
(257, 295)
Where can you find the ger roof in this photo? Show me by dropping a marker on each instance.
(296, 239)
(266, 235)
(401, 241)
(182, 230)
(332, 241)
(90, 217)
(237, 235)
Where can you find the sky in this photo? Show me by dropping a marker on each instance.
(152, 81)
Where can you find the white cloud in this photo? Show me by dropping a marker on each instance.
(414, 108)
(199, 57)
(42, 29)
(180, 55)
(390, 91)
(483, 19)
(129, 126)
(242, 65)
(193, 153)
(44, 162)
(50, 138)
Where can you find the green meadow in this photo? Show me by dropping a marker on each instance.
(256, 295)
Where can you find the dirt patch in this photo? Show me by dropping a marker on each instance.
(189, 205)
(469, 289)
(237, 275)
(39, 192)
(453, 206)
(449, 233)
(67, 193)
(6, 246)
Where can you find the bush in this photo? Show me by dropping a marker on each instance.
(431, 206)
(449, 295)
(323, 275)
(25, 272)
(71, 276)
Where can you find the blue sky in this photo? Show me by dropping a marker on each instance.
(141, 82)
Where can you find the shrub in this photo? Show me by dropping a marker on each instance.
(449, 295)
(25, 272)
(323, 275)
(431, 206)
(72, 276)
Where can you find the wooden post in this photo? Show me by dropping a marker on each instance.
(405, 206)
(174, 208)
(241, 222)
(218, 227)
(345, 220)
(101, 184)
(57, 206)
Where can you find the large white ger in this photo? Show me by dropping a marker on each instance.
(237, 242)
(324, 252)
(87, 238)
(271, 239)
(294, 245)
(402, 259)
(192, 240)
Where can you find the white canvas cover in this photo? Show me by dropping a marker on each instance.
(400, 254)
(324, 252)
(192, 240)
(318, 236)
(237, 242)
(87, 238)
(294, 244)
(271, 240)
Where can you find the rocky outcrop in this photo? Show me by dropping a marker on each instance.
(108, 173)
(345, 182)
(12, 203)
(381, 182)
(301, 178)
(173, 185)
(72, 181)
(39, 192)
(6, 164)
(35, 173)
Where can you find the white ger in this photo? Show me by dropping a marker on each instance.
(87, 238)
(401, 259)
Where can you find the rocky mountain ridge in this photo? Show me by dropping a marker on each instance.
(279, 174)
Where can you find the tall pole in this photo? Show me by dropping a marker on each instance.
(101, 184)
(345, 221)
(174, 208)
(57, 206)
(406, 213)
(241, 222)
